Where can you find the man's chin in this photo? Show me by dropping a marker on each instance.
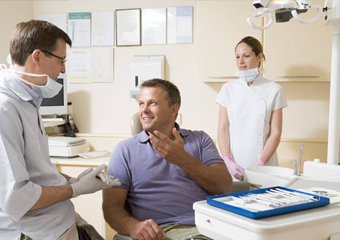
(148, 129)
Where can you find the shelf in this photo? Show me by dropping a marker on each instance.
(284, 79)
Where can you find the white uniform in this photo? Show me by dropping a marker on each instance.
(249, 111)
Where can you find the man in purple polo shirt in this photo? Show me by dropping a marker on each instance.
(163, 170)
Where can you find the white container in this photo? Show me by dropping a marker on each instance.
(314, 224)
(142, 68)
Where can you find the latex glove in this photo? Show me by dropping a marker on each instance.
(93, 181)
(74, 180)
(259, 163)
(108, 179)
(234, 168)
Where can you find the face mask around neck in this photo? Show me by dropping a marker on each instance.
(248, 75)
(49, 90)
(9, 60)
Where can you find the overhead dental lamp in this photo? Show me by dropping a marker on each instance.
(284, 10)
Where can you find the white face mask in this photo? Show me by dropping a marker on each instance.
(248, 75)
(49, 90)
(9, 60)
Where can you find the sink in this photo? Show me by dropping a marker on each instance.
(269, 176)
(320, 175)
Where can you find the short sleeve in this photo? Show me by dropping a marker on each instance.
(118, 167)
(222, 96)
(210, 153)
(279, 100)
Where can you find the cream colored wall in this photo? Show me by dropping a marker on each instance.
(11, 13)
(106, 108)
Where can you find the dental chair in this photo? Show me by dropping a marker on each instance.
(135, 128)
(135, 125)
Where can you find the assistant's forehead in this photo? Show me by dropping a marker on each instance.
(243, 48)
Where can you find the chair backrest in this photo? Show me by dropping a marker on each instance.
(135, 125)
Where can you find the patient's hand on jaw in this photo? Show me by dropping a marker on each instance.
(148, 230)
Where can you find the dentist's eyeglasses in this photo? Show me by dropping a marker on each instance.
(62, 60)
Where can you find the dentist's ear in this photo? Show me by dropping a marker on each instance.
(36, 57)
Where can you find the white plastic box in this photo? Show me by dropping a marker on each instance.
(144, 67)
(314, 224)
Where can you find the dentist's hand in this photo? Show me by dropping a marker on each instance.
(74, 180)
(234, 168)
(93, 181)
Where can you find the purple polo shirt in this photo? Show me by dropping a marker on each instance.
(157, 189)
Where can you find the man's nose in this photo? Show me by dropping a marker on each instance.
(145, 108)
(63, 69)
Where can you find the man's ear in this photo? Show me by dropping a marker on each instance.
(174, 109)
(36, 57)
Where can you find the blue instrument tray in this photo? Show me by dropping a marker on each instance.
(270, 206)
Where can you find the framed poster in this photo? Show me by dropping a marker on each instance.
(154, 26)
(128, 27)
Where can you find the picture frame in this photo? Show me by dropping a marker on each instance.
(128, 27)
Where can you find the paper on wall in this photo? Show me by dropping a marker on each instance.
(102, 28)
(180, 24)
(79, 29)
(79, 66)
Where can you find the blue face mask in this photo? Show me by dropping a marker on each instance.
(248, 75)
(49, 90)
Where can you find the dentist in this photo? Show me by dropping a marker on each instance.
(34, 196)
(250, 113)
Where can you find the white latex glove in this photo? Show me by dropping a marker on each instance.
(74, 180)
(92, 182)
(108, 179)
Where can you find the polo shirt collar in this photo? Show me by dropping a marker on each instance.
(143, 137)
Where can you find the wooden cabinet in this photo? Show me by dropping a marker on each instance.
(220, 26)
(298, 52)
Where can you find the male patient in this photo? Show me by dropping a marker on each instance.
(163, 171)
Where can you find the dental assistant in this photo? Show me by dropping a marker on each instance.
(34, 197)
(250, 113)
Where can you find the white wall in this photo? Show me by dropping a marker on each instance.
(106, 108)
(11, 13)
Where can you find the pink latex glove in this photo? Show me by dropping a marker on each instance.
(259, 163)
(234, 168)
